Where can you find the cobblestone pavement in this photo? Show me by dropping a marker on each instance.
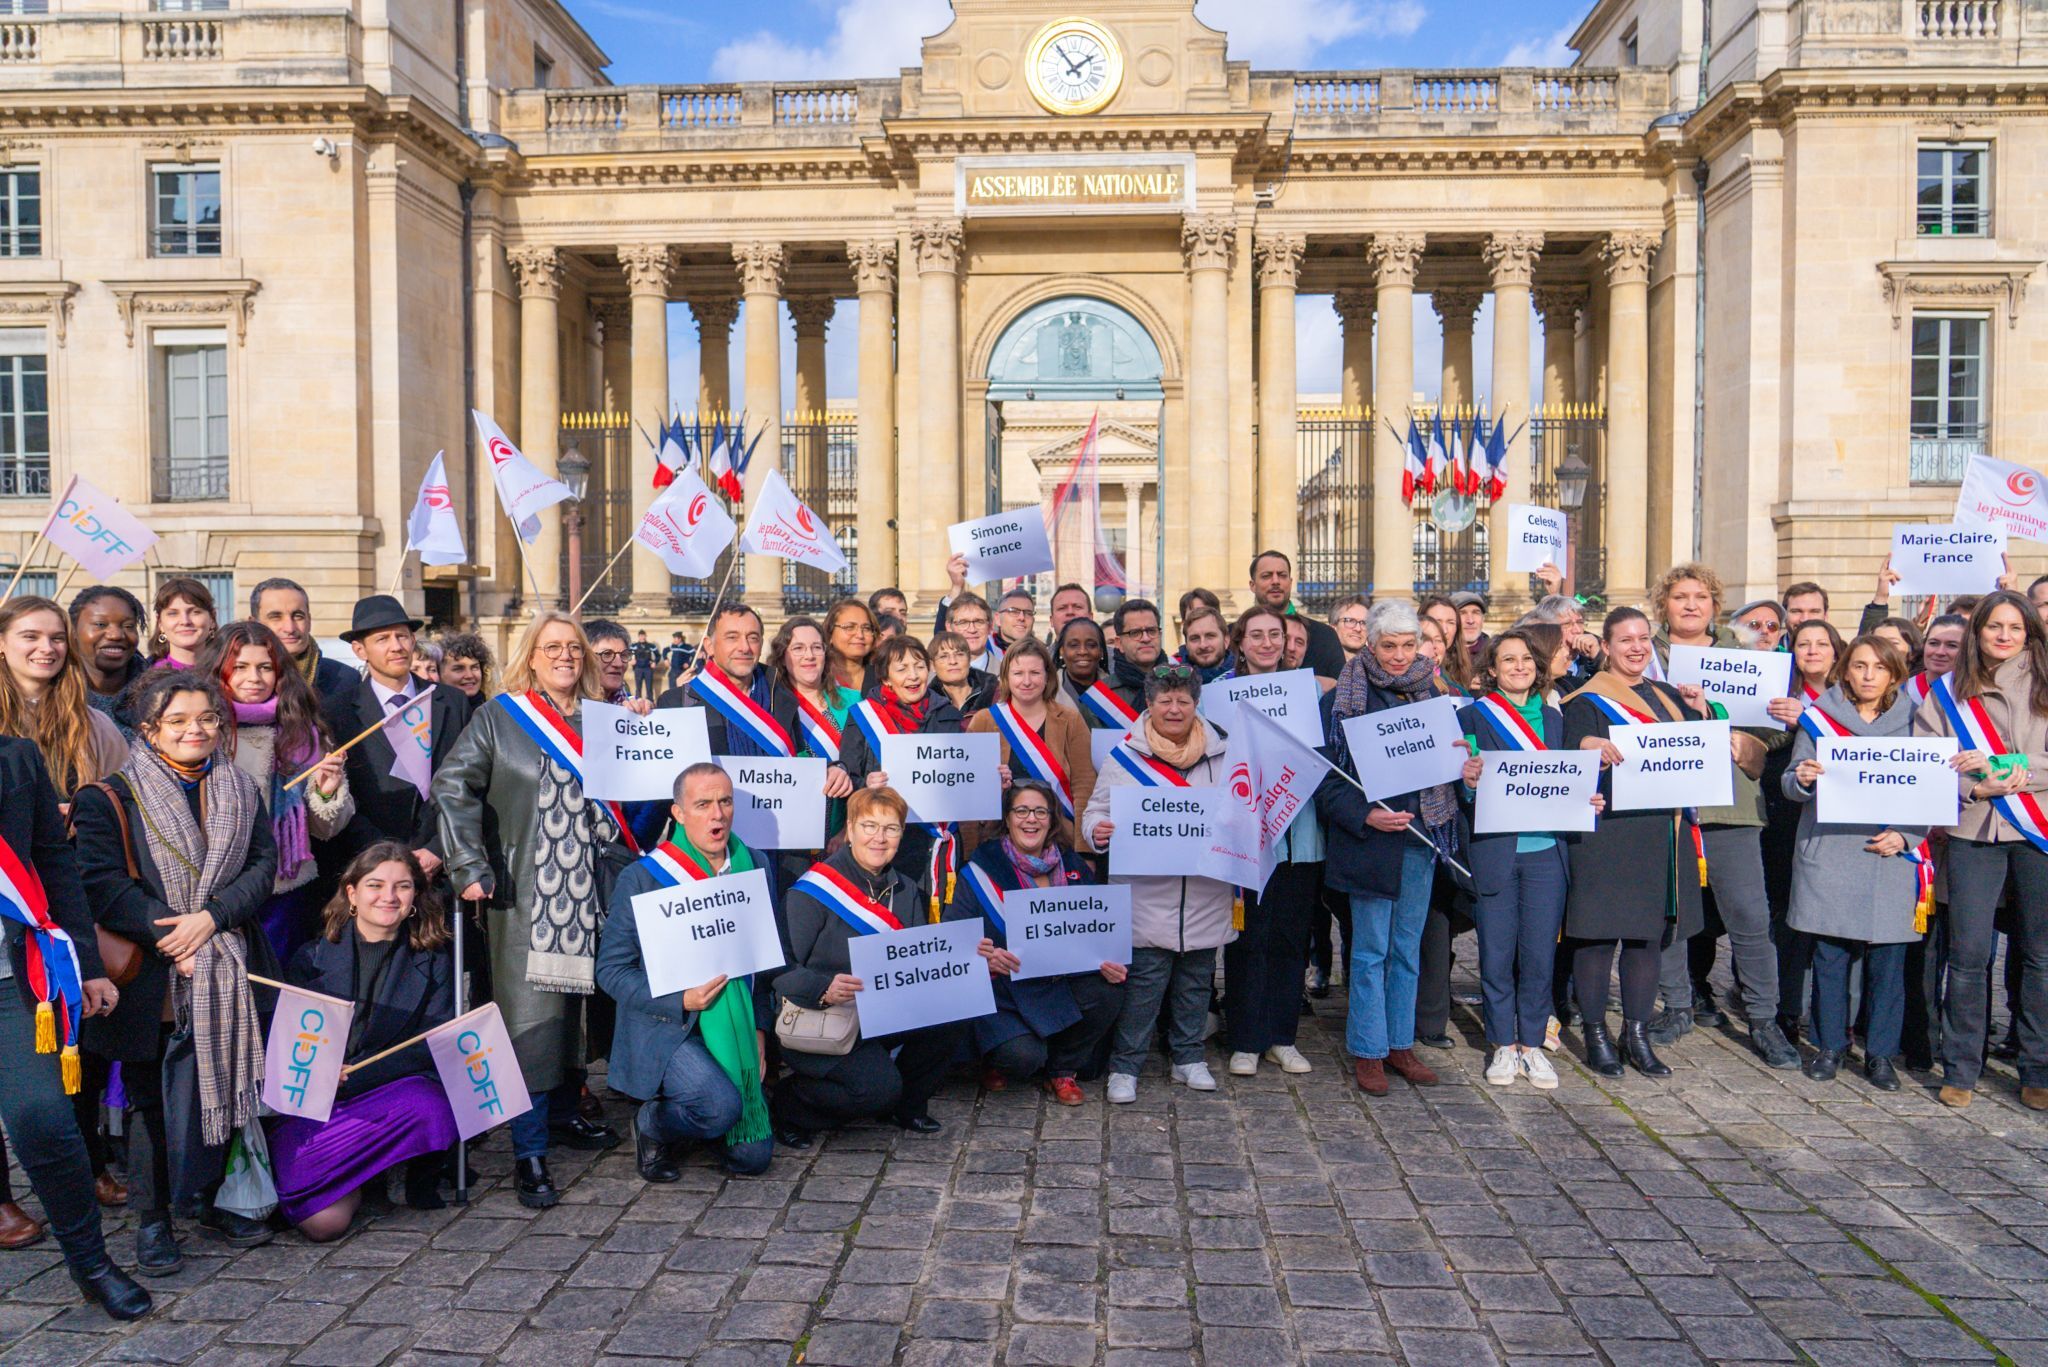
(1730, 1213)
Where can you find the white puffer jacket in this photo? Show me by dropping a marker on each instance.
(1168, 913)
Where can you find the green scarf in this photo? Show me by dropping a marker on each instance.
(727, 1025)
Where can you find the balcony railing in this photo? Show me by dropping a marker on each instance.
(100, 48)
(21, 42)
(1956, 19)
(1942, 459)
(1565, 101)
(654, 117)
(181, 40)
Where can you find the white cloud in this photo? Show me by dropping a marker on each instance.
(1289, 33)
(1548, 50)
(868, 38)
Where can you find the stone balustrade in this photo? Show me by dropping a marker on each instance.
(1524, 101)
(790, 113)
(255, 47)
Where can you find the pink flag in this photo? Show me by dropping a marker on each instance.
(91, 527)
(479, 1071)
(1269, 777)
(781, 525)
(303, 1057)
(411, 733)
(1075, 518)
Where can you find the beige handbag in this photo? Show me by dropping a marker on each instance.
(831, 1031)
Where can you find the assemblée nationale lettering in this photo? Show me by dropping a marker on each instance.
(999, 186)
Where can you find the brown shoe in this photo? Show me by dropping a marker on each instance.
(1371, 1075)
(1958, 1097)
(1403, 1063)
(18, 1229)
(2034, 1098)
(108, 1190)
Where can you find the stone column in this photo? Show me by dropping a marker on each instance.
(940, 244)
(1395, 258)
(760, 265)
(1208, 243)
(615, 374)
(811, 313)
(1511, 257)
(539, 270)
(647, 267)
(714, 317)
(1279, 262)
(1628, 256)
(1354, 308)
(874, 281)
(1455, 310)
(1560, 305)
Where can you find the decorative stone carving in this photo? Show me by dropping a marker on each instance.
(715, 315)
(1511, 257)
(874, 266)
(938, 243)
(228, 299)
(1956, 282)
(1208, 242)
(538, 269)
(1279, 259)
(811, 312)
(1396, 257)
(1456, 307)
(760, 266)
(648, 266)
(1560, 305)
(43, 299)
(1628, 255)
(1355, 305)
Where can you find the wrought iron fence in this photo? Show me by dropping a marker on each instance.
(820, 461)
(1941, 458)
(605, 440)
(1333, 523)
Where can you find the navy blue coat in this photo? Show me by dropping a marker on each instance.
(1357, 858)
(416, 993)
(1037, 1006)
(1493, 856)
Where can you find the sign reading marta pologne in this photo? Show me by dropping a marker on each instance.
(636, 759)
(1673, 764)
(920, 975)
(946, 778)
(1157, 829)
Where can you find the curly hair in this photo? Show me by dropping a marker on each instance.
(1702, 574)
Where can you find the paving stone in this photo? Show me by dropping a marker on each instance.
(1051, 1345)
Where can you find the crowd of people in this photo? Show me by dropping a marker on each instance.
(196, 810)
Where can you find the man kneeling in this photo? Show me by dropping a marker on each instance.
(696, 1055)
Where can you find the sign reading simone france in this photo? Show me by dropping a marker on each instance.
(1742, 681)
(1673, 764)
(1932, 558)
(1068, 930)
(1536, 537)
(777, 804)
(1403, 749)
(1002, 545)
(1886, 781)
(302, 1058)
(1158, 830)
(1291, 697)
(946, 778)
(1535, 790)
(693, 932)
(627, 758)
(921, 975)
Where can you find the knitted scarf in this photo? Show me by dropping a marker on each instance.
(562, 926)
(1352, 698)
(1182, 755)
(907, 716)
(727, 1025)
(287, 805)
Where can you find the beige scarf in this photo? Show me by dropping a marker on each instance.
(1183, 756)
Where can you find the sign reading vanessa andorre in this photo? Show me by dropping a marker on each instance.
(1673, 764)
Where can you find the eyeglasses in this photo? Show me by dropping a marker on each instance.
(872, 829)
(1357, 622)
(967, 623)
(857, 628)
(610, 657)
(205, 721)
(1139, 633)
(556, 650)
(1173, 673)
(1031, 813)
(1016, 612)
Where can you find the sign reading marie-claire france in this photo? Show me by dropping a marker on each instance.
(1743, 681)
(1886, 781)
(630, 758)
(946, 778)
(1404, 749)
(920, 975)
(1291, 698)
(1673, 764)
(1003, 545)
(693, 932)
(1944, 559)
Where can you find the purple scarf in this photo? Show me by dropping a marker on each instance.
(287, 805)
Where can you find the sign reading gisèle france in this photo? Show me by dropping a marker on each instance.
(1886, 780)
(1742, 681)
(1673, 764)
(921, 975)
(1404, 749)
(1291, 697)
(628, 758)
(693, 932)
(946, 778)
(1068, 930)
(777, 804)
(1157, 829)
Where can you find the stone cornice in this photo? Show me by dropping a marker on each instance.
(1983, 94)
(1962, 283)
(209, 299)
(1236, 134)
(30, 300)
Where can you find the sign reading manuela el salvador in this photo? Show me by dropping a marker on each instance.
(1108, 184)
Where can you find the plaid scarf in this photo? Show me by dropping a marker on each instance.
(1352, 695)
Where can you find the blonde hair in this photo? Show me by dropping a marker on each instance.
(518, 676)
(1678, 574)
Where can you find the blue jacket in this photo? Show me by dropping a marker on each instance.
(650, 1029)
(1493, 856)
(416, 993)
(1039, 1006)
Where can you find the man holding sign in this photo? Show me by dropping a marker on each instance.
(697, 1055)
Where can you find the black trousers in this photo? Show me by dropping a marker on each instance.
(1262, 967)
(1069, 1052)
(1978, 873)
(38, 1116)
(823, 1093)
(85, 1105)
(1331, 917)
(1450, 915)
(1593, 964)
(149, 1155)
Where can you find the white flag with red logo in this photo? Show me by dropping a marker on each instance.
(686, 527)
(91, 527)
(433, 529)
(781, 525)
(523, 491)
(478, 1070)
(302, 1058)
(1269, 777)
(2000, 496)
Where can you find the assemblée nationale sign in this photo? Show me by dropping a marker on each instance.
(1024, 185)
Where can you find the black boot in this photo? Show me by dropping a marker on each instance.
(578, 1133)
(156, 1249)
(423, 1182)
(537, 1190)
(1635, 1039)
(114, 1291)
(920, 1123)
(657, 1163)
(1705, 1013)
(1600, 1054)
(1671, 1025)
(236, 1231)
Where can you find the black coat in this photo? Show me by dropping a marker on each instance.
(416, 993)
(1325, 656)
(333, 680)
(781, 706)
(34, 829)
(1041, 1006)
(1357, 858)
(131, 907)
(389, 808)
(913, 856)
(816, 948)
(1493, 856)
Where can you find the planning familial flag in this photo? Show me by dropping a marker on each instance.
(1269, 777)
(1074, 518)
(433, 529)
(781, 525)
(91, 526)
(479, 1071)
(1998, 495)
(686, 527)
(302, 1058)
(523, 491)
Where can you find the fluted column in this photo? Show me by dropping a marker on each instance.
(1628, 256)
(1455, 311)
(1279, 263)
(874, 282)
(1209, 244)
(939, 244)
(1395, 258)
(1511, 257)
(812, 314)
(539, 271)
(760, 266)
(714, 315)
(1354, 308)
(1560, 305)
(647, 266)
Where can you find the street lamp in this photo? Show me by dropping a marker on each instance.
(575, 472)
(1572, 475)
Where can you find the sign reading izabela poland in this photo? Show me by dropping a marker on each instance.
(1099, 184)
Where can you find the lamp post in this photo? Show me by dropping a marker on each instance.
(575, 472)
(1572, 475)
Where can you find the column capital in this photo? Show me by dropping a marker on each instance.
(1396, 257)
(647, 266)
(939, 244)
(760, 266)
(874, 266)
(612, 312)
(1628, 255)
(539, 270)
(1208, 241)
(1456, 307)
(1279, 259)
(1354, 305)
(1559, 304)
(1511, 257)
(715, 314)
(811, 312)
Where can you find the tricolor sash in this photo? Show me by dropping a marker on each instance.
(1916, 688)
(1619, 715)
(718, 692)
(1807, 695)
(1029, 749)
(873, 724)
(52, 962)
(1974, 729)
(547, 728)
(988, 895)
(1152, 773)
(821, 737)
(862, 913)
(1820, 725)
(1106, 707)
(1515, 732)
(673, 865)
(1922, 859)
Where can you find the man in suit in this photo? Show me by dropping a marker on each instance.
(391, 789)
(283, 606)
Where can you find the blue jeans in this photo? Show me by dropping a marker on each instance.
(1386, 959)
(530, 1131)
(698, 1101)
(1518, 925)
(1884, 987)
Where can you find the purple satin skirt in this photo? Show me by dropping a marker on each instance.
(316, 1165)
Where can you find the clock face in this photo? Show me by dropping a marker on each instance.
(1074, 67)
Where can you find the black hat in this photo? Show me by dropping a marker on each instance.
(376, 613)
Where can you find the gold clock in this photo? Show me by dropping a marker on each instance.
(1073, 67)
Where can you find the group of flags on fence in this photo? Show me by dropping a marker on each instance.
(1461, 456)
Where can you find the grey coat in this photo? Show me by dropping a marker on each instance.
(1840, 889)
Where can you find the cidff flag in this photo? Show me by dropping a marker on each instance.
(90, 525)
(302, 1058)
(479, 1071)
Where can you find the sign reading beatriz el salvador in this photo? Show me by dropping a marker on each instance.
(1100, 184)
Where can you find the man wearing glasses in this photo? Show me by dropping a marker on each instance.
(968, 615)
(1140, 645)
(1350, 623)
(1016, 615)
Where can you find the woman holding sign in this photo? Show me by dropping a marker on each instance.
(1055, 1024)
(801, 661)
(904, 705)
(1637, 877)
(1995, 704)
(1042, 737)
(1854, 899)
(1816, 648)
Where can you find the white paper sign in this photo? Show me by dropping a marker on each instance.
(1886, 781)
(777, 804)
(1157, 829)
(1002, 545)
(1403, 749)
(1292, 698)
(1102, 740)
(1673, 764)
(1054, 931)
(1535, 790)
(1536, 537)
(946, 778)
(1743, 681)
(636, 759)
(1944, 559)
(923, 975)
(692, 932)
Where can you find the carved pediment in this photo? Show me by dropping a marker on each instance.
(1963, 284)
(225, 300)
(1169, 61)
(46, 301)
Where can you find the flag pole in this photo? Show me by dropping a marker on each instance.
(1338, 770)
(353, 741)
(42, 535)
(461, 994)
(399, 573)
(601, 576)
(65, 583)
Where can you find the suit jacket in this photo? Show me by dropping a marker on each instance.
(781, 706)
(333, 680)
(34, 830)
(416, 993)
(389, 808)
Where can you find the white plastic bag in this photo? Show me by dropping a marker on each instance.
(248, 1189)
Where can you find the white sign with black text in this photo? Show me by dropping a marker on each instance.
(1054, 931)
(1944, 559)
(1536, 537)
(1535, 790)
(1405, 749)
(1673, 764)
(1742, 681)
(1157, 830)
(693, 932)
(628, 758)
(1886, 781)
(777, 804)
(1291, 698)
(1002, 545)
(946, 778)
(921, 975)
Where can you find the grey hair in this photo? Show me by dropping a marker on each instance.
(1558, 609)
(1391, 617)
(1191, 685)
(698, 770)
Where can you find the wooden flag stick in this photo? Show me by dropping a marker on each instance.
(65, 583)
(42, 535)
(399, 573)
(603, 574)
(268, 982)
(354, 740)
(407, 1043)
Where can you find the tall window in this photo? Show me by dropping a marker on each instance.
(21, 212)
(1948, 410)
(1631, 47)
(24, 7)
(192, 454)
(1952, 199)
(185, 219)
(24, 414)
(543, 70)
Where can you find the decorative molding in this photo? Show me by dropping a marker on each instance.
(538, 269)
(1208, 242)
(1628, 255)
(49, 300)
(1355, 305)
(1955, 282)
(1456, 307)
(874, 266)
(939, 244)
(811, 312)
(760, 266)
(1278, 256)
(715, 315)
(173, 298)
(648, 266)
(1396, 257)
(1559, 304)
(1511, 257)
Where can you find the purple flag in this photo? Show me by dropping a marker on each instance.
(303, 1057)
(479, 1071)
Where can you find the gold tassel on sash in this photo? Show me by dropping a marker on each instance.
(1237, 911)
(73, 1069)
(46, 1028)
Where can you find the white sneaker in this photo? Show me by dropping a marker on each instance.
(1123, 1088)
(1505, 1067)
(1538, 1070)
(1195, 1075)
(1244, 1065)
(1289, 1058)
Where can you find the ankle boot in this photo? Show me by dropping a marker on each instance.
(1635, 1039)
(1403, 1064)
(1600, 1053)
(113, 1290)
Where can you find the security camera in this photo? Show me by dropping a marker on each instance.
(325, 147)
